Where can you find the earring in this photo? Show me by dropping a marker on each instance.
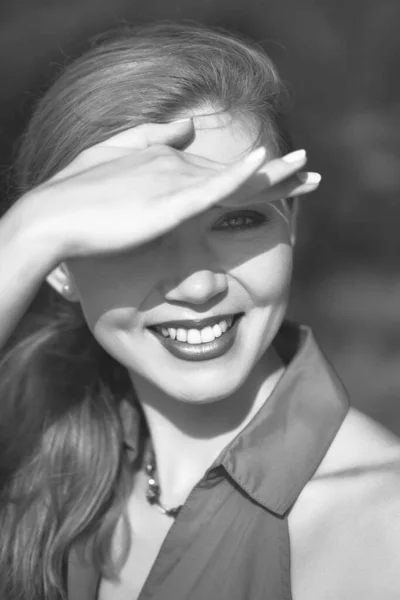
(66, 289)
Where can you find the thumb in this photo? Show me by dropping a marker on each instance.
(175, 134)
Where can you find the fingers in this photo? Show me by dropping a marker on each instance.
(297, 185)
(175, 134)
(197, 198)
(309, 182)
(274, 172)
(277, 178)
(93, 157)
(281, 168)
(236, 184)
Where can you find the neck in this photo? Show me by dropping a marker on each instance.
(187, 438)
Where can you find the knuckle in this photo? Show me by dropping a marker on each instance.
(166, 158)
(153, 149)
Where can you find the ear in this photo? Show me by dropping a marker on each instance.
(61, 280)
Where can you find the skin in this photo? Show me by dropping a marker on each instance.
(345, 526)
(196, 270)
(350, 507)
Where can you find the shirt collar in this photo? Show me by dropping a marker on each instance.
(281, 448)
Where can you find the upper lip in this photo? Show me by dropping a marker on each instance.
(196, 323)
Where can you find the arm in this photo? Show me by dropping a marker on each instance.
(69, 216)
(26, 256)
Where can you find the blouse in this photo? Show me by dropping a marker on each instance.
(231, 539)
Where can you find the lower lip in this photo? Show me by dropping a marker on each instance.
(197, 352)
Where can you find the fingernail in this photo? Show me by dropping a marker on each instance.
(256, 155)
(296, 156)
(309, 177)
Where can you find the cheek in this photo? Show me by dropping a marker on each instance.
(262, 264)
(266, 276)
(117, 285)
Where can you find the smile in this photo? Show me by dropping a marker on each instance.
(197, 336)
(190, 343)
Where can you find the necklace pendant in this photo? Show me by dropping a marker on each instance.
(153, 492)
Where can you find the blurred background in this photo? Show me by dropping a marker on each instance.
(341, 61)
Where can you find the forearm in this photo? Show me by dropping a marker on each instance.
(26, 257)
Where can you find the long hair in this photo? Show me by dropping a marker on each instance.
(64, 475)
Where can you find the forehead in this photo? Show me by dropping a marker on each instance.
(222, 137)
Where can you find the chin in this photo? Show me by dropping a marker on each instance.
(201, 388)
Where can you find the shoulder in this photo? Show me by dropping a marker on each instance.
(364, 455)
(350, 514)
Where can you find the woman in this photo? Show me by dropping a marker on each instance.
(165, 434)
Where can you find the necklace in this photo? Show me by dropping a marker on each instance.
(153, 492)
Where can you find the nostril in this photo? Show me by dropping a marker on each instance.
(198, 287)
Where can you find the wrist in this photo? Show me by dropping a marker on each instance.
(30, 231)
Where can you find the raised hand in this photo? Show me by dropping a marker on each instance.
(137, 186)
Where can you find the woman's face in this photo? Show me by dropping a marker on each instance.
(227, 261)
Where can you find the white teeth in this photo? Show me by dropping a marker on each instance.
(207, 335)
(194, 336)
(181, 335)
(217, 330)
(224, 326)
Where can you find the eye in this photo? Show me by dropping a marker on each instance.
(241, 220)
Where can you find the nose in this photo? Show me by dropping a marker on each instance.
(198, 288)
(194, 274)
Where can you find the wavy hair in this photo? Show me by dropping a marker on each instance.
(64, 477)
